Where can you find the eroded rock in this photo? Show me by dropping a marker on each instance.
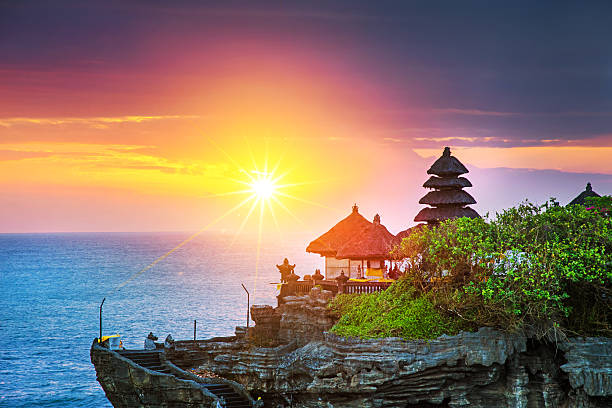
(489, 368)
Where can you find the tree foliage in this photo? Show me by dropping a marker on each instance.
(531, 266)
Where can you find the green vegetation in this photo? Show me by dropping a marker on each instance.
(396, 312)
(542, 269)
(601, 205)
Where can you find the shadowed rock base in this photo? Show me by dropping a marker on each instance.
(313, 368)
(484, 369)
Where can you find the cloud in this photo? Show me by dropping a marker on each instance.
(96, 121)
(480, 112)
(447, 139)
(574, 159)
(474, 112)
(6, 155)
(90, 157)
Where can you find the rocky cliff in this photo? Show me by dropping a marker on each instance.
(310, 368)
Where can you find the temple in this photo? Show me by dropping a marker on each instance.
(447, 200)
(588, 192)
(355, 246)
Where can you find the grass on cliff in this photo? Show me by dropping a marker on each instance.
(396, 312)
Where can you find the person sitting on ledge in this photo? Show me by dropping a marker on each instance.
(149, 343)
(169, 342)
(342, 278)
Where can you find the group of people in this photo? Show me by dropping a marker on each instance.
(149, 343)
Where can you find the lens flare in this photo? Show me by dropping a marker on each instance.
(264, 188)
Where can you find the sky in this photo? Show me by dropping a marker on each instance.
(152, 116)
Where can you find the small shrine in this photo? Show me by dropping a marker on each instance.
(286, 270)
(448, 199)
(588, 192)
(369, 250)
(355, 246)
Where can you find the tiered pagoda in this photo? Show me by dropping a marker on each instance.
(447, 200)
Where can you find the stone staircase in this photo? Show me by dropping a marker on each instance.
(147, 359)
(232, 398)
(151, 360)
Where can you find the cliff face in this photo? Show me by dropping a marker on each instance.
(127, 385)
(147, 379)
(484, 369)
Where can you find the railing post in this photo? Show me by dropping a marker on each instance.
(248, 304)
(194, 331)
(101, 304)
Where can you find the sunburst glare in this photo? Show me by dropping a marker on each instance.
(264, 187)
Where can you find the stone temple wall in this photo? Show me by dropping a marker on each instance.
(305, 318)
(299, 319)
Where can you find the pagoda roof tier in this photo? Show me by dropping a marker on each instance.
(375, 242)
(330, 242)
(447, 165)
(588, 192)
(444, 213)
(447, 182)
(447, 197)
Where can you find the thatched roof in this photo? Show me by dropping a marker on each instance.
(447, 183)
(588, 192)
(447, 197)
(444, 213)
(447, 165)
(375, 242)
(330, 242)
(403, 234)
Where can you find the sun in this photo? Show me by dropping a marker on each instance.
(264, 187)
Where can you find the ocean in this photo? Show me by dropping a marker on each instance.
(52, 286)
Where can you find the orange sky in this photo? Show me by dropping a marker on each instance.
(145, 132)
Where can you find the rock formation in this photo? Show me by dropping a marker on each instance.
(312, 368)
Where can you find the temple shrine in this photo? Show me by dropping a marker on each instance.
(355, 246)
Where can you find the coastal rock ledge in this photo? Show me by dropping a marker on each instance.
(488, 368)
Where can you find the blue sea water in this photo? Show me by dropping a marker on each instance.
(51, 286)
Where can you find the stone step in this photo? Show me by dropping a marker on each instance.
(231, 397)
(151, 360)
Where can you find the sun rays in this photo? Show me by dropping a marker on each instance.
(261, 190)
(266, 190)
